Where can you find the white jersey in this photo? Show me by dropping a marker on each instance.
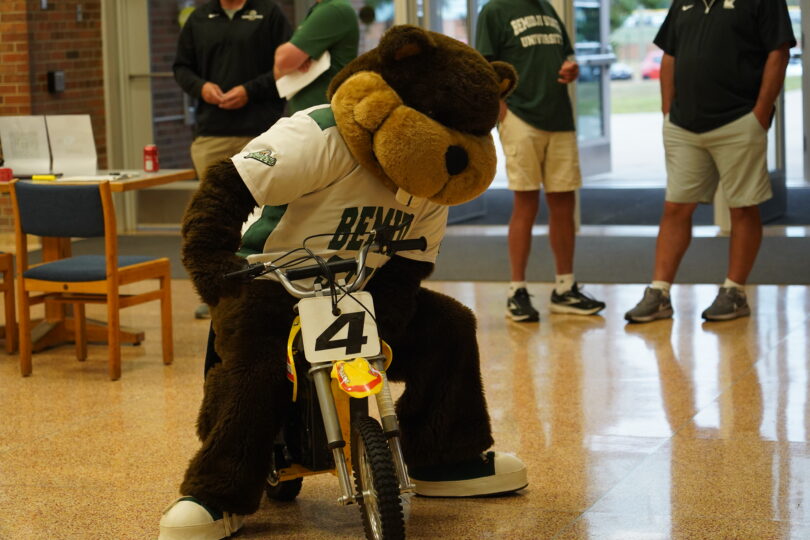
(304, 173)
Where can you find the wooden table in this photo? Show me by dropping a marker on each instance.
(126, 205)
(135, 179)
(57, 327)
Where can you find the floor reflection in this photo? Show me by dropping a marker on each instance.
(671, 430)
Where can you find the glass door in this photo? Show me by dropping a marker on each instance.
(448, 17)
(592, 99)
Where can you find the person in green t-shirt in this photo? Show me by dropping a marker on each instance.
(536, 128)
(331, 25)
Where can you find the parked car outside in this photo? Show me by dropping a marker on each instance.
(620, 71)
(794, 67)
(651, 65)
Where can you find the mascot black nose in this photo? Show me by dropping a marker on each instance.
(456, 160)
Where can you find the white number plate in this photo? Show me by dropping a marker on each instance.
(328, 337)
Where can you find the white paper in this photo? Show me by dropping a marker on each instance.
(73, 147)
(291, 83)
(98, 177)
(25, 145)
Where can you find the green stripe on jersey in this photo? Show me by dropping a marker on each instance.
(325, 118)
(255, 237)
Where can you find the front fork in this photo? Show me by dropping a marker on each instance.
(390, 425)
(385, 404)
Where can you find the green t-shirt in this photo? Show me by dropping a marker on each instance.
(331, 25)
(530, 35)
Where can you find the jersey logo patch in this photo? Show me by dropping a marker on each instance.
(265, 156)
(690, 6)
(728, 4)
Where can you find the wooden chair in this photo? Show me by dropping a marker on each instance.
(7, 288)
(58, 212)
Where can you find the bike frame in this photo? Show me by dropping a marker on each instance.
(337, 408)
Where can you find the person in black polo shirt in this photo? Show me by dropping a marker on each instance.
(224, 60)
(723, 68)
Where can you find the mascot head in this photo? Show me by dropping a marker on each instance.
(418, 111)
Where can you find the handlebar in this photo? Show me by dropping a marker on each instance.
(411, 244)
(377, 239)
(315, 270)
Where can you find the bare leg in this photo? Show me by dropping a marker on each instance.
(674, 236)
(561, 229)
(524, 210)
(746, 237)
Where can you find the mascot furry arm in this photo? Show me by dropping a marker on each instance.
(212, 232)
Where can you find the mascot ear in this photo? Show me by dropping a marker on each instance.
(507, 77)
(403, 42)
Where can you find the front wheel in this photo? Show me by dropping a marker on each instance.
(376, 481)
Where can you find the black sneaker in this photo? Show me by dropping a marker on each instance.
(519, 307)
(574, 302)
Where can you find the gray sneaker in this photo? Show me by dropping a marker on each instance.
(730, 303)
(655, 305)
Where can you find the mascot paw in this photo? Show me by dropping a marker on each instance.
(492, 473)
(211, 284)
(188, 518)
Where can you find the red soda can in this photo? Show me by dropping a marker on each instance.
(151, 162)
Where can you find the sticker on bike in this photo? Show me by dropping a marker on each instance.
(351, 333)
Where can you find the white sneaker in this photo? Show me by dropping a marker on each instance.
(189, 519)
(493, 473)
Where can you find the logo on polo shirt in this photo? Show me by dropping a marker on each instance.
(265, 156)
(252, 15)
(728, 4)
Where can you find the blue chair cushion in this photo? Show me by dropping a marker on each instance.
(80, 268)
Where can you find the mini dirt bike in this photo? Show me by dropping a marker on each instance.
(334, 340)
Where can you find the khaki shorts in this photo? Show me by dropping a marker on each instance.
(207, 151)
(535, 157)
(732, 156)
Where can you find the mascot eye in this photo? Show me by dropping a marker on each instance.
(456, 160)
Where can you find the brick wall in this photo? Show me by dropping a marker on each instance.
(15, 97)
(33, 42)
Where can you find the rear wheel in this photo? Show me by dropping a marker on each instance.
(376, 482)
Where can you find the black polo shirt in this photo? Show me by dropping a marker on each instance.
(229, 52)
(720, 48)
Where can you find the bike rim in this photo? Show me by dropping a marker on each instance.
(368, 494)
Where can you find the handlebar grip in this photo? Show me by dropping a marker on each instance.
(247, 273)
(346, 265)
(419, 244)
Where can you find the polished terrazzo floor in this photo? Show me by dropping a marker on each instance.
(675, 429)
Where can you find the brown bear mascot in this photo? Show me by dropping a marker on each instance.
(407, 134)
